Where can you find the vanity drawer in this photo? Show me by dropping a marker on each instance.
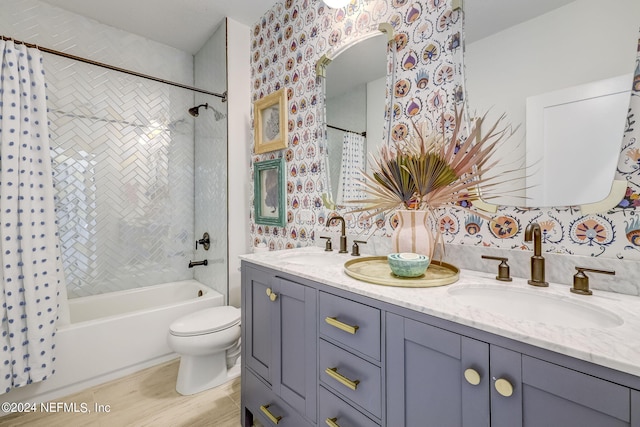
(355, 325)
(340, 413)
(351, 376)
(261, 401)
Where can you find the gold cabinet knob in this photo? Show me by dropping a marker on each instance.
(272, 295)
(503, 387)
(472, 376)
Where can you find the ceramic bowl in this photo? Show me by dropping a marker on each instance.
(408, 264)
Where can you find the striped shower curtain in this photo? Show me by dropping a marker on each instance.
(353, 161)
(31, 270)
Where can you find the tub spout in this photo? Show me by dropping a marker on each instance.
(194, 263)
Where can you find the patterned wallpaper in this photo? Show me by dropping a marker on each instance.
(293, 35)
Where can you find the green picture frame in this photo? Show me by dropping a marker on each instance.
(269, 192)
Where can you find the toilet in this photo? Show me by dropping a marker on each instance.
(208, 342)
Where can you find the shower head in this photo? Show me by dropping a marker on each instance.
(195, 111)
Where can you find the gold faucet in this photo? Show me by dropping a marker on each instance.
(343, 234)
(533, 232)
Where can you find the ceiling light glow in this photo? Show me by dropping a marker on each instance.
(336, 4)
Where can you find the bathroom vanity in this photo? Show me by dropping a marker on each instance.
(321, 348)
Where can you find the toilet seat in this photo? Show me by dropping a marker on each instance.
(205, 321)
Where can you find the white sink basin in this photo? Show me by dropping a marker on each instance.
(536, 306)
(314, 258)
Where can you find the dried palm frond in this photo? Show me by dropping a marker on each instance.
(428, 171)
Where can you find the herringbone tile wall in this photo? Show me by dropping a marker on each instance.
(123, 169)
(123, 152)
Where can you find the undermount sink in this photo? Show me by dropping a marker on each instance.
(314, 258)
(533, 305)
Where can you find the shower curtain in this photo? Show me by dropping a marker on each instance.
(31, 269)
(353, 160)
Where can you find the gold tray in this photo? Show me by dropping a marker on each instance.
(376, 270)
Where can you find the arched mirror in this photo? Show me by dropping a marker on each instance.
(562, 71)
(354, 81)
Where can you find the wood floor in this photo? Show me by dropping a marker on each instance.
(146, 398)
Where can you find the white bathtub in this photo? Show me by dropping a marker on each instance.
(115, 334)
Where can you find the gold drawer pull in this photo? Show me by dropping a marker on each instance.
(333, 373)
(273, 418)
(272, 295)
(472, 376)
(331, 422)
(342, 326)
(503, 387)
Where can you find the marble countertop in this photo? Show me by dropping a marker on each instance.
(615, 346)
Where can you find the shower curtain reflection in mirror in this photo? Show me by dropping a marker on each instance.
(352, 162)
(33, 285)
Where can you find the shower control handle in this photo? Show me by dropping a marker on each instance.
(205, 242)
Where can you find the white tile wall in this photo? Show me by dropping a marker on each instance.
(124, 151)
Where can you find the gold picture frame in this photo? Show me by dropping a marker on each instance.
(270, 122)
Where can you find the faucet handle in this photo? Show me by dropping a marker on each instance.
(581, 280)
(327, 245)
(503, 269)
(355, 249)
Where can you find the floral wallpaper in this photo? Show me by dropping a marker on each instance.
(427, 49)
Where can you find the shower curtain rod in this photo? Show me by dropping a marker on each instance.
(346, 130)
(223, 96)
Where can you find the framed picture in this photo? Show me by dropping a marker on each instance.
(270, 120)
(269, 192)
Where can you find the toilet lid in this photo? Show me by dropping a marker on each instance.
(206, 321)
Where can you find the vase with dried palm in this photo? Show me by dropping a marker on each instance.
(429, 171)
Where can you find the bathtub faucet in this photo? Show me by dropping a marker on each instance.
(194, 263)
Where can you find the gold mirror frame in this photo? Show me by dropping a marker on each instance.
(321, 73)
(321, 64)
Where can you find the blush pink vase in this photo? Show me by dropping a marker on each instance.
(413, 233)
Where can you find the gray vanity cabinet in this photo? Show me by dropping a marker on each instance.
(635, 408)
(440, 378)
(541, 394)
(316, 355)
(257, 313)
(279, 339)
(426, 370)
(350, 362)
